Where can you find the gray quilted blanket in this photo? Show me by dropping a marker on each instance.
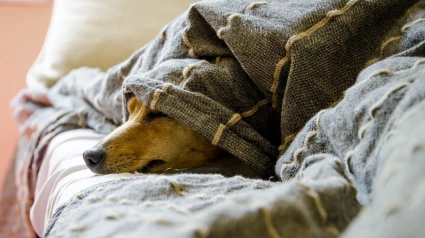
(326, 96)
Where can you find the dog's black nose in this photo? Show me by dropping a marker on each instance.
(93, 156)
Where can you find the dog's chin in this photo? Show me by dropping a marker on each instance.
(106, 170)
(103, 169)
(153, 166)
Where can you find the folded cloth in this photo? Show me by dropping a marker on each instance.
(247, 96)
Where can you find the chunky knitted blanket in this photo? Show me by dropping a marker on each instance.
(266, 81)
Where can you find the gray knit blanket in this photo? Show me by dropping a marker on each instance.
(325, 99)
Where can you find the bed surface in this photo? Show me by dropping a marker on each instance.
(63, 174)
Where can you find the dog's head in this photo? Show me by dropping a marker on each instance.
(149, 142)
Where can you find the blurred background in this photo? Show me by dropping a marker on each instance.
(23, 27)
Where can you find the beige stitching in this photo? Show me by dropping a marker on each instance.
(218, 134)
(378, 104)
(372, 61)
(176, 187)
(217, 60)
(298, 152)
(155, 98)
(333, 230)
(316, 199)
(163, 222)
(255, 108)
(112, 217)
(229, 20)
(80, 196)
(78, 229)
(417, 63)
(362, 129)
(269, 224)
(384, 45)
(187, 43)
(294, 38)
(262, 184)
(166, 87)
(331, 179)
(287, 140)
(233, 120)
(126, 202)
(188, 70)
(389, 72)
(178, 209)
(158, 93)
(377, 72)
(407, 26)
(387, 42)
(276, 75)
(113, 198)
(240, 178)
(252, 5)
(200, 196)
(371, 111)
(237, 15)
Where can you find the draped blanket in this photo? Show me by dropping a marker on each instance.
(266, 81)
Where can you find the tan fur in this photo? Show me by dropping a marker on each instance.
(147, 136)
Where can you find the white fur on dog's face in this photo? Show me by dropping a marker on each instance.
(150, 142)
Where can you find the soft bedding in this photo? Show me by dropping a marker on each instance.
(63, 174)
(327, 191)
(325, 96)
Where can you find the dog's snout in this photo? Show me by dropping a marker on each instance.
(93, 156)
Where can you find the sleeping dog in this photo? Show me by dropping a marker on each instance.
(167, 145)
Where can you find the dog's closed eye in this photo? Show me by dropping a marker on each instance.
(150, 165)
(154, 115)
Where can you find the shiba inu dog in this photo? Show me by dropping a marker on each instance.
(151, 142)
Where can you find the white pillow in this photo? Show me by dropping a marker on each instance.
(98, 34)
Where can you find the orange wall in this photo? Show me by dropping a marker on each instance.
(22, 31)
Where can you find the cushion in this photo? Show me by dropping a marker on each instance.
(98, 34)
(63, 174)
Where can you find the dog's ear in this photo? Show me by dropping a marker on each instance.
(132, 105)
(138, 111)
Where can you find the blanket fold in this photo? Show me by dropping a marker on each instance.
(266, 81)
